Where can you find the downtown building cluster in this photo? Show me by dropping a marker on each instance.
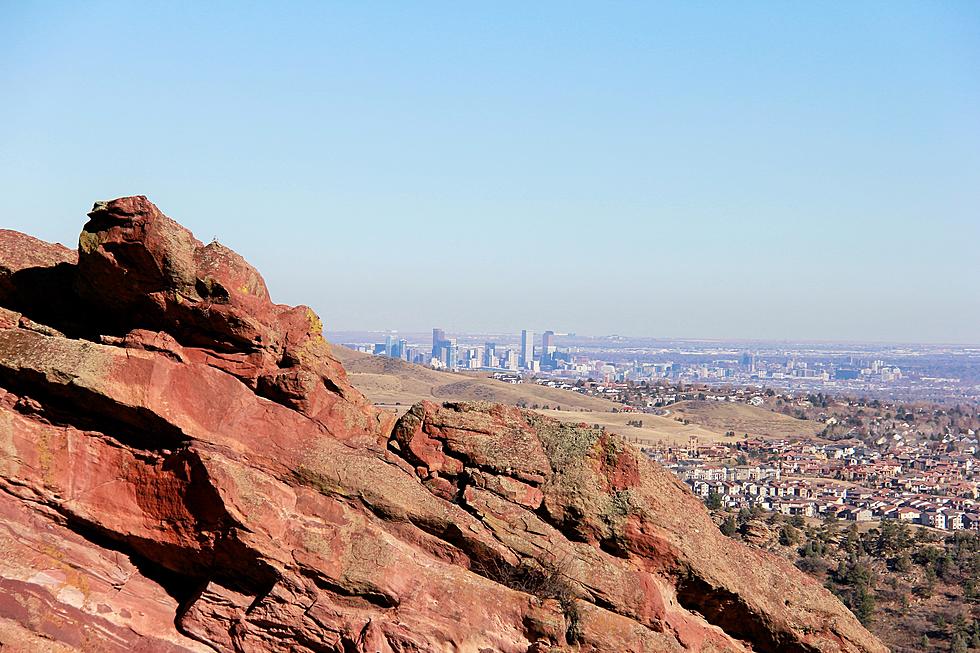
(528, 356)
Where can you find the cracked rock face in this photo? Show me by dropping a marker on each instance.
(185, 467)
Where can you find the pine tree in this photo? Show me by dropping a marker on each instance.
(864, 605)
(957, 644)
(714, 501)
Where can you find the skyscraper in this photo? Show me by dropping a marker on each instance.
(438, 342)
(748, 361)
(546, 342)
(527, 347)
(490, 354)
(547, 353)
(452, 355)
(448, 354)
(438, 337)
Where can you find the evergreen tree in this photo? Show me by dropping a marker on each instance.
(864, 604)
(957, 644)
(714, 501)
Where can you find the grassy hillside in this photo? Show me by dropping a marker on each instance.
(726, 416)
(654, 429)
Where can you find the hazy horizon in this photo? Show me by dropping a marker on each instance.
(515, 334)
(758, 171)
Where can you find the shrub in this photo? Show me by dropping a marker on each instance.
(729, 527)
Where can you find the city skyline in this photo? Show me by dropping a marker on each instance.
(913, 371)
(330, 330)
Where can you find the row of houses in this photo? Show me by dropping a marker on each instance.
(829, 498)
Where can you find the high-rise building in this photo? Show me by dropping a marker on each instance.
(490, 354)
(452, 353)
(527, 347)
(748, 361)
(547, 354)
(389, 342)
(546, 342)
(402, 349)
(472, 358)
(438, 337)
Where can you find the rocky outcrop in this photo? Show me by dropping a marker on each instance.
(185, 467)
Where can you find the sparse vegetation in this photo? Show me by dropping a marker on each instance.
(916, 588)
(547, 580)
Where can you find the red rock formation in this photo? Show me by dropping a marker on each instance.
(185, 467)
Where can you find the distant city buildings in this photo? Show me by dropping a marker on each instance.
(490, 355)
(438, 336)
(748, 361)
(447, 353)
(888, 372)
(546, 358)
(548, 351)
(527, 348)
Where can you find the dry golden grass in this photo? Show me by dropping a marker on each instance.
(742, 418)
(655, 431)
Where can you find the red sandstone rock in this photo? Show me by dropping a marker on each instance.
(30, 267)
(145, 273)
(187, 468)
(21, 251)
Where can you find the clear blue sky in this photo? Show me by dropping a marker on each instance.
(744, 170)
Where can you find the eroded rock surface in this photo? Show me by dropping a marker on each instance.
(185, 467)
